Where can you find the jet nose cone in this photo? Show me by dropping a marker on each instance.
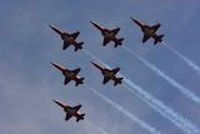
(51, 26)
(55, 101)
(53, 64)
(95, 24)
(132, 19)
(94, 64)
(92, 22)
(59, 67)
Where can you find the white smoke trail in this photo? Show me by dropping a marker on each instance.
(157, 108)
(189, 62)
(102, 131)
(93, 56)
(125, 112)
(167, 112)
(185, 125)
(173, 82)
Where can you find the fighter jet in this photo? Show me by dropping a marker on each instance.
(71, 111)
(70, 74)
(149, 31)
(109, 74)
(69, 39)
(109, 35)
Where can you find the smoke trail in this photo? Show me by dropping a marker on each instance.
(93, 57)
(187, 92)
(189, 62)
(185, 125)
(125, 112)
(160, 107)
(96, 127)
(173, 82)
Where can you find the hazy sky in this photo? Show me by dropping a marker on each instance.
(28, 82)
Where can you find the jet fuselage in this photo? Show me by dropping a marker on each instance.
(148, 31)
(70, 110)
(70, 75)
(108, 73)
(108, 35)
(69, 39)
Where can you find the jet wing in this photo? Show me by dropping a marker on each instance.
(77, 107)
(115, 31)
(75, 35)
(145, 38)
(68, 116)
(76, 71)
(116, 70)
(105, 41)
(105, 80)
(67, 80)
(156, 27)
(65, 45)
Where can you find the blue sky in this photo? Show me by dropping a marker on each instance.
(28, 82)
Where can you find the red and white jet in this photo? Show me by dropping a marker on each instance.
(70, 74)
(109, 74)
(71, 111)
(109, 35)
(149, 31)
(69, 39)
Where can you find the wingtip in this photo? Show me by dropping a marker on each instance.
(80, 104)
(119, 68)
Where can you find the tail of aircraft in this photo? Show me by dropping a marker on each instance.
(158, 38)
(80, 117)
(118, 42)
(78, 46)
(118, 81)
(79, 81)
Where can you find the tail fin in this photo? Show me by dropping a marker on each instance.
(78, 46)
(158, 39)
(118, 81)
(80, 81)
(80, 117)
(118, 42)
